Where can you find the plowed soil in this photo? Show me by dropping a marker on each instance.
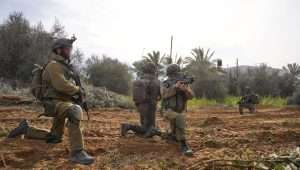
(213, 133)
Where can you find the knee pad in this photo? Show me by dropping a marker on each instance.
(74, 114)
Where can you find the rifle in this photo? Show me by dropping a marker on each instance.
(81, 97)
(80, 100)
(184, 79)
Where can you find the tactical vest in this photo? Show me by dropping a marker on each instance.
(176, 103)
(250, 99)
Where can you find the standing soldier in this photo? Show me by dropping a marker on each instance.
(248, 101)
(58, 94)
(146, 94)
(175, 95)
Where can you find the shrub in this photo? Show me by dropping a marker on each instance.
(295, 98)
(109, 73)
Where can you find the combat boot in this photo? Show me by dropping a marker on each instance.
(152, 132)
(171, 137)
(20, 130)
(81, 157)
(185, 149)
(124, 129)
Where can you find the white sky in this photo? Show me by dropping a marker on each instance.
(254, 31)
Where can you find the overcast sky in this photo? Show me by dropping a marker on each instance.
(255, 31)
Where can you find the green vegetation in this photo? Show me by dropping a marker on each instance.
(201, 102)
(109, 73)
(23, 44)
(273, 101)
(231, 101)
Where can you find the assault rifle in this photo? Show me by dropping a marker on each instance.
(81, 100)
(184, 79)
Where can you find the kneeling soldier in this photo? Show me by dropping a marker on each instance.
(175, 95)
(146, 94)
(58, 94)
(248, 101)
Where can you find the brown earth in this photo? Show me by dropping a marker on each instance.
(213, 133)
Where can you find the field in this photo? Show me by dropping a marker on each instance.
(214, 133)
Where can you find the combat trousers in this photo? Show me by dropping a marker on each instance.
(73, 114)
(147, 118)
(251, 108)
(177, 123)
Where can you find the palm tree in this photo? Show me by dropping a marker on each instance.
(154, 57)
(137, 67)
(293, 69)
(176, 60)
(199, 56)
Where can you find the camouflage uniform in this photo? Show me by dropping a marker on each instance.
(147, 109)
(248, 101)
(59, 89)
(175, 113)
(174, 103)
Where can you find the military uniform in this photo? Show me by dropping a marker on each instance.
(174, 103)
(58, 92)
(248, 101)
(147, 108)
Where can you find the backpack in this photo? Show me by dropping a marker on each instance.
(36, 82)
(140, 91)
(254, 99)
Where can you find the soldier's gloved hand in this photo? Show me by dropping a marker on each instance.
(181, 86)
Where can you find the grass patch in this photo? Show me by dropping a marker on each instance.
(232, 101)
(273, 101)
(201, 102)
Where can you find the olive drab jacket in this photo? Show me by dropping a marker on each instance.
(58, 84)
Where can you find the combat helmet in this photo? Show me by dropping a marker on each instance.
(149, 68)
(63, 43)
(173, 69)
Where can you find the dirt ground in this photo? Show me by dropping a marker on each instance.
(213, 133)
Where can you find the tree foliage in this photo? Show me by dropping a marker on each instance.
(21, 46)
(110, 73)
(208, 82)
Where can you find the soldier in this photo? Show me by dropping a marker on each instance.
(248, 101)
(146, 94)
(58, 95)
(175, 95)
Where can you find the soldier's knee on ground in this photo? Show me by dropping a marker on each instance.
(74, 114)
